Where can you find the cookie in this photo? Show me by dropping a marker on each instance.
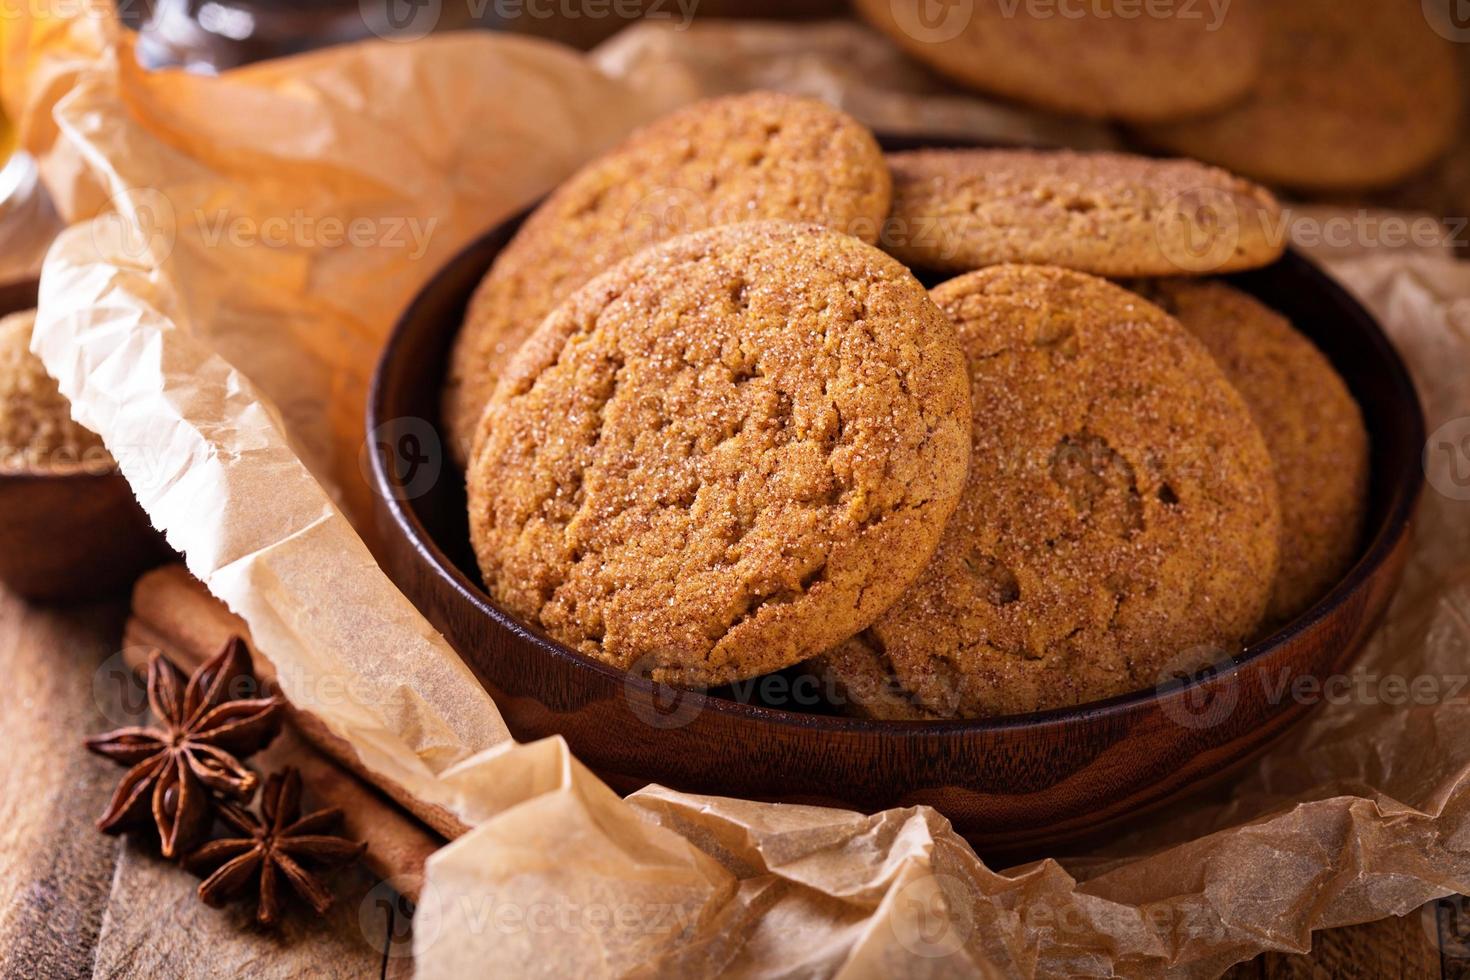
(1109, 214)
(742, 158)
(724, 455)
(1312, 426)
(1120, 521)
(861, 682)
(1355, 94)
(1089, 60)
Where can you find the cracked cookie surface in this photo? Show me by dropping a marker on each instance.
(1312, 426)
(1120, 519)
(724, 455)
(1108, 214)
(748, 157)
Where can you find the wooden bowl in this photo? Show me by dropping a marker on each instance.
(70, 532)
(1010, 784)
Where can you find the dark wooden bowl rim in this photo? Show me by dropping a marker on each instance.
(1402, 489)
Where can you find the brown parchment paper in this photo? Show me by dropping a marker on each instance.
(225, 373)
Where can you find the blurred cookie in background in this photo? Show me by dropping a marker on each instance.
(1354, 94)
(1093, 60)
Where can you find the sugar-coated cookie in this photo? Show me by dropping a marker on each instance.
(861, 682)
(1109, 214)
(724, 455)
(740, 158)
(1121, 517)
(1312, 426)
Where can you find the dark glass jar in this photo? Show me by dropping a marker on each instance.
(211, 35)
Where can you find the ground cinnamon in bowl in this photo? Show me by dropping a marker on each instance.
(37, 433)
(70, 528)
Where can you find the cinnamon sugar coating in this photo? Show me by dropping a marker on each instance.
(1108, 214)
(724, 455)
(1121, 517)
(1312, 426)
(863, 682)
(748, 157)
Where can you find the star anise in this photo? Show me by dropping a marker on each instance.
(196, 749)
(280, 843)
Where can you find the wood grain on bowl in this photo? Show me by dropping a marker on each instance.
(1010, 784)
(70, 533)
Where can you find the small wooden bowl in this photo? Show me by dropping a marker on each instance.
(1010, 784)
(72, 532)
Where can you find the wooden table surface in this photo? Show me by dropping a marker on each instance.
(75, 903)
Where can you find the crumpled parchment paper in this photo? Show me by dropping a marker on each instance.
(206, 314)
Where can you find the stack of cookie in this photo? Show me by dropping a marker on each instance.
(714, 426)
(1320, 95)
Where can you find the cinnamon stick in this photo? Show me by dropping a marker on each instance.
(174, 614)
